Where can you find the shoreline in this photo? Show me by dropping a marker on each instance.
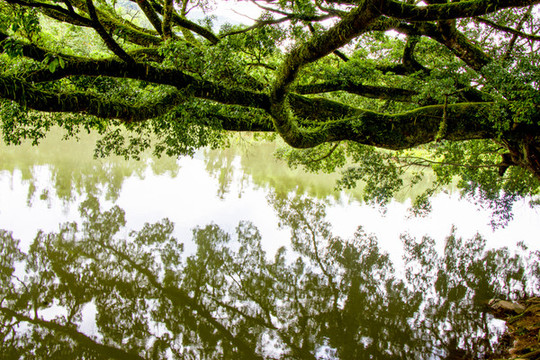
(522, 338)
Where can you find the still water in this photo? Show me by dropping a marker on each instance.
(230, 254)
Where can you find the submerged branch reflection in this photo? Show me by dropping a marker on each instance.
(96, 291)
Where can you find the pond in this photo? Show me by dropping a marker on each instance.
(230, 254)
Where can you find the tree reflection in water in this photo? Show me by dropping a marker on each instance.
(325, 297)
(71, 171)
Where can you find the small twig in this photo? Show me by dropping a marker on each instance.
(512, 41)
(258, 24)
(335, 12)
(433, 162)
(266, 66)
(270, 9)
(325, 156)
(509, 29)
(243, 15)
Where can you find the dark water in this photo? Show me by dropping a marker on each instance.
(232, 256)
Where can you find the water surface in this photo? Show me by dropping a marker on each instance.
(252, 260)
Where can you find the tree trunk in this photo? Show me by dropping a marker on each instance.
(526, 153)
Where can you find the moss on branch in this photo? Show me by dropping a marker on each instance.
(447, 11)
(395, 131)
(119, 26)
(77, 102)
(369, 91)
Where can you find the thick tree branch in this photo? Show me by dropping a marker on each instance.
(399, 131)
(168, 11)
(338, 53)
(124, 29)
(69, 6)
(242, 123)
(408, 60)
(53, 8)
(456, 42)
(397, 69)
(28, 50)
(318, 110)
(78, 102)
(29, 96)
(303, 106)
(447, 11)
(313, 110)
(146, 72)
(356, 22)
(394, 131)
(39, 54)
(446, 34)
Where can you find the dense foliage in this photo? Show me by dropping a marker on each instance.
(94, 290)
(451, 86)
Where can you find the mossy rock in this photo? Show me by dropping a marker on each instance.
(523, 330)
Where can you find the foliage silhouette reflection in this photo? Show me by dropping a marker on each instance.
(326, 297)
